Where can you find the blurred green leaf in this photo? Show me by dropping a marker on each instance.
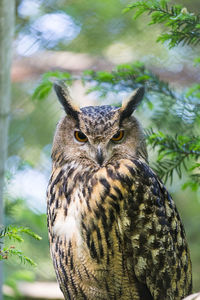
(193, 91)
(45, 86)
(42, 90)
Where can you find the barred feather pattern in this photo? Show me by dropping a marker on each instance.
(115, 233)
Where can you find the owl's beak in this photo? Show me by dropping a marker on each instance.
(99, 156)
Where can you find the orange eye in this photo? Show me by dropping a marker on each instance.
(81, 137)
(118, 136)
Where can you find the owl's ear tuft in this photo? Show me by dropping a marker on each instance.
(65, 99)
(131, 103)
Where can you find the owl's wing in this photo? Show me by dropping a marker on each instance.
(156, 236)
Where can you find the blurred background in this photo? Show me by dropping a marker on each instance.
(74, 36)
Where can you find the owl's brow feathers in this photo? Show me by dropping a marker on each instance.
(125, 110)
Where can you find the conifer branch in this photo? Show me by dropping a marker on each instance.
(184, 26)
(175, 153)
(14, 233)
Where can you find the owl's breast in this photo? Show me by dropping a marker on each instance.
(87, 233)
(111, 227)
(79, 198)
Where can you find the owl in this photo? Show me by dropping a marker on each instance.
(114, 230)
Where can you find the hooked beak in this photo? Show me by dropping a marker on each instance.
(99, 156)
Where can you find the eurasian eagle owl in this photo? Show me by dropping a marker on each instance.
(114, 230)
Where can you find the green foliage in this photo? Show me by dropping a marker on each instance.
(19, 212)
(14, 233)
(174, 154)
(194, 91)
(125, 77)
(197, 61)
(184, 26)
(45, 86)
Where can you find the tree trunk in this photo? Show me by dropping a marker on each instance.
(6, 36)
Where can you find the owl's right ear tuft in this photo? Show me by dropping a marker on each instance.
(131, 103)
(65, 99)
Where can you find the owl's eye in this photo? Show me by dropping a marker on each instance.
(118, 136)
(80, 136)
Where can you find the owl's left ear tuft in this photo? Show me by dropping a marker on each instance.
(65, 99)
(131, 103)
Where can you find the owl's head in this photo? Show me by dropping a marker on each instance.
(97, 135)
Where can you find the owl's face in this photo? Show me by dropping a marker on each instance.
(97, 135)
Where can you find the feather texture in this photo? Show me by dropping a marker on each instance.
(115, 233)
(114, 230)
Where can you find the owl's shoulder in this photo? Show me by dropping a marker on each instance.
(147, 194)
(136, 175)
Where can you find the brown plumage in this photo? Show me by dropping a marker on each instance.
(114, 230)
